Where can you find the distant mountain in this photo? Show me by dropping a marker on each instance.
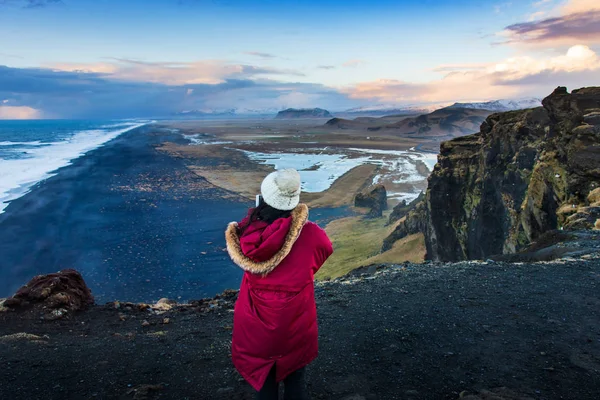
(205, 113)
(295, 113)
(380, 110)
(341, 123)
(442, 124)
(501, 105)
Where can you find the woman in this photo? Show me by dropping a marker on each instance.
(275, 318)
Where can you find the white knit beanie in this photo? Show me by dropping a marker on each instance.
(281, 189)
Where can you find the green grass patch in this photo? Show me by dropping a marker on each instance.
(357, 242)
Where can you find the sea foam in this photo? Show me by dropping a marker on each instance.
(39, 161)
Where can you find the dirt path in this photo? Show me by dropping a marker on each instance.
(426, 331)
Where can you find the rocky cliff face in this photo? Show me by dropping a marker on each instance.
(524, 173)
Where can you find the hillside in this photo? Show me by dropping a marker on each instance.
(442, 124)
(294, 113)
(501, 105)
(415, 332)
(525, 173)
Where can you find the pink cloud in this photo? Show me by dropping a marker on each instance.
(19, 112)
(513, 77)
(577, 21)
(175, 73)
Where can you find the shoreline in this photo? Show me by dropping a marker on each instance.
(127, 217)
(142, 215)
(135, 221)
(78, 150)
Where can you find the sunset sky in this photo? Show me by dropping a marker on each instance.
(139, 58)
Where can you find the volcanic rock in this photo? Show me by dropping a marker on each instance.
(375, 199)
(54, 295)
(526, 172)
(402, 209)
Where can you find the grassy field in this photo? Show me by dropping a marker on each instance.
(357, 242)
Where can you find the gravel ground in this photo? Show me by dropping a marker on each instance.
(430, 331)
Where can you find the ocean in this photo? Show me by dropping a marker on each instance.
(30, 151)
(97, 196)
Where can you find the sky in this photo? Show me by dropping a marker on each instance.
(140, 58)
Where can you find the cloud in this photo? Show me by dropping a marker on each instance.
(18, 112)
(458, 67)
(88, 94)
(175, 73)
(30, 3)
(41, 3)
(578, 6)
(353, 63)
(513, 77)
(259, 54)
(577, 21)
(326, 66)
(537, 15)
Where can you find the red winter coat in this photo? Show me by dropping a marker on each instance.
(275, 318)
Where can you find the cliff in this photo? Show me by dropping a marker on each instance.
(525, 173)
(468, 330)
(294, 113)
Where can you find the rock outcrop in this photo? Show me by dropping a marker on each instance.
(294, 113)
(375, 199)
(525, 173)
(53, 295)
(413, 222)
(402, 209)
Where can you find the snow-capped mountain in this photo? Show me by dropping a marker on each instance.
(389, 109)
(501, 105)
(369, 110)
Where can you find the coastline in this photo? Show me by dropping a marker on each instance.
(46, 157)
(127, 217)
(137, 222)
(141, 216)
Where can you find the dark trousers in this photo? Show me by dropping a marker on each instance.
(294, 387)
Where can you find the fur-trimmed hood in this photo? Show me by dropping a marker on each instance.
(299, 217)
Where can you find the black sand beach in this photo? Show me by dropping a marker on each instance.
(136, 223)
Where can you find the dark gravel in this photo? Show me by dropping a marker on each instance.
(429, 331)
